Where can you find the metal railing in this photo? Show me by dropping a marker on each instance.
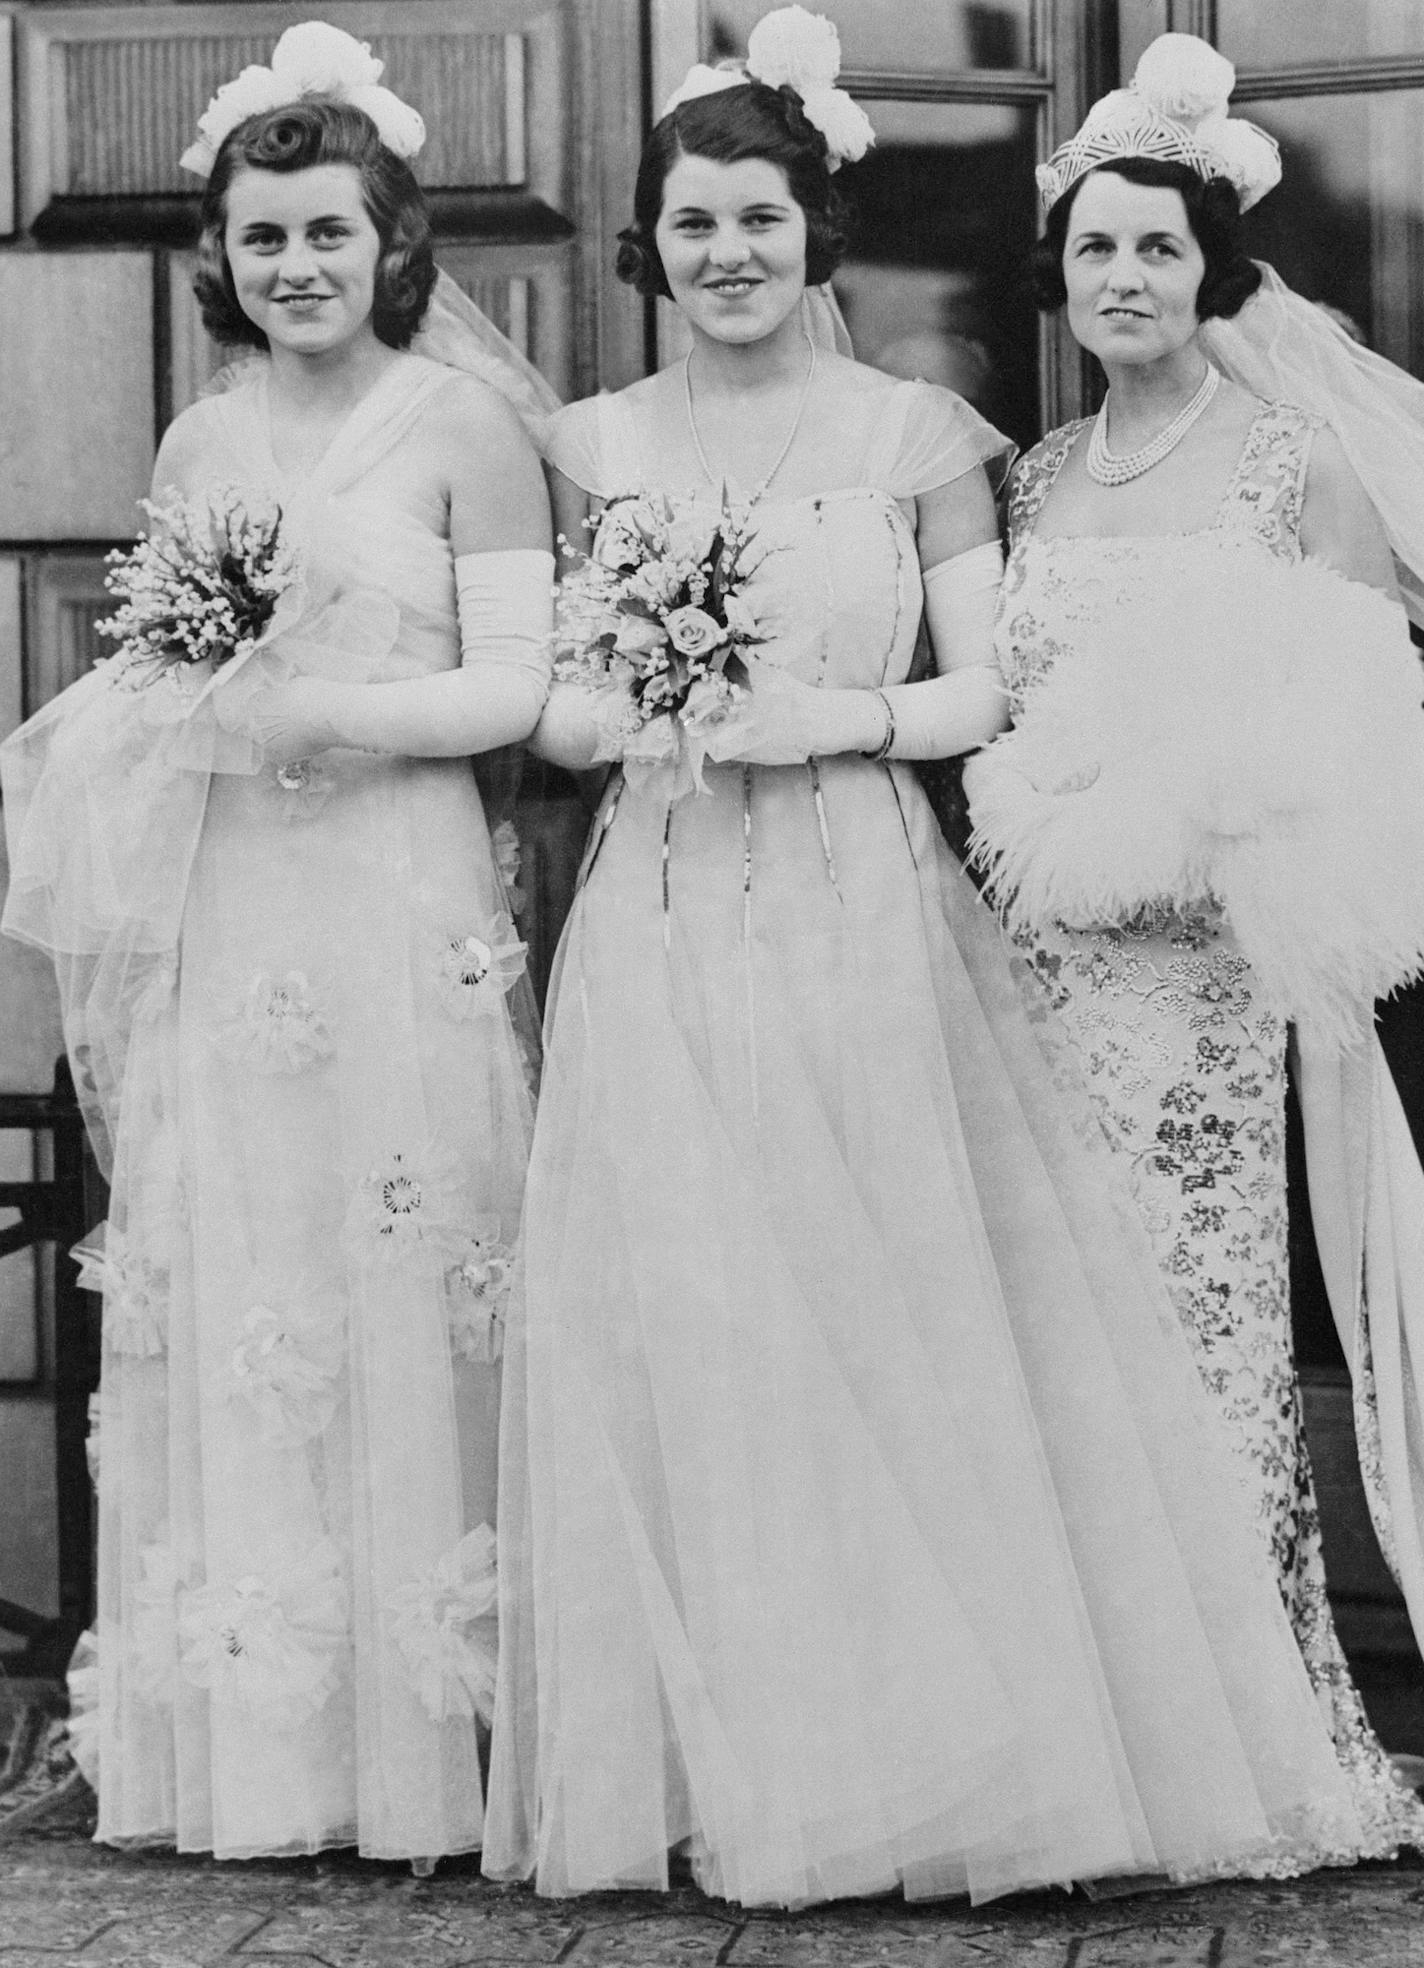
(57, 1209)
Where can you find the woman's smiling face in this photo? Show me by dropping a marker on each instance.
(732, 240)
(1133, 269)
(303, 253)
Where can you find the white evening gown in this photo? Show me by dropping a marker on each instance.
(862, 1521)
(1183, 1052)
(290, 989)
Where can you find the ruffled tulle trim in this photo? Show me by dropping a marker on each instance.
(83, 1726)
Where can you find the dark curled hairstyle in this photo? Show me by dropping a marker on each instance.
(318, 130)
(728, 127)
(1213, 213)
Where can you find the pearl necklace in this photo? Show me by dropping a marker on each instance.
(785, 450)
(1108, 470)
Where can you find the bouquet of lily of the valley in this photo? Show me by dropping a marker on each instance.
(202, 587)
(654, 621)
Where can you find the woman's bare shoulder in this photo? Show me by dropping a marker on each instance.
(186, 446)
(469, 411)
(1338, 523)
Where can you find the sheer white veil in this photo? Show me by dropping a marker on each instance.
(1366, 1186)
(1283, 347)
(825, 323)
(460, 334)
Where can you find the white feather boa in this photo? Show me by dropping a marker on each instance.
(1236, 727)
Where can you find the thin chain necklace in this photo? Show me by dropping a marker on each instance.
(785, 450)
(1109, 470)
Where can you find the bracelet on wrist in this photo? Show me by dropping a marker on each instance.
(883, 749)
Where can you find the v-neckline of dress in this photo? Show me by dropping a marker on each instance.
(351, 426)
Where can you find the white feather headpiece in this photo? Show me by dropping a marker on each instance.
(1173, 110)
(313, 59)
(792, 47)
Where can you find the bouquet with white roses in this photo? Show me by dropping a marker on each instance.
(654, 621)
(201, 588)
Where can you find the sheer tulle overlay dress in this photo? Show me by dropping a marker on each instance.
(1185, 1061)
(862, 1520)
(292, 989)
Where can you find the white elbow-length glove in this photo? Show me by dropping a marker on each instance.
(788, 721)
(505, 603)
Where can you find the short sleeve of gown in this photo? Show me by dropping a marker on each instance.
(932, 436)
(592, 443)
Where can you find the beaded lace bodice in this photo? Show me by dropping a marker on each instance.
(1057, 587)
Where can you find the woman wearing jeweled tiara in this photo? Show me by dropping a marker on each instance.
(862, 1522)
(286, 956)
(1209, 820)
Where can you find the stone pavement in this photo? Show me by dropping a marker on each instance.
(63, 1899)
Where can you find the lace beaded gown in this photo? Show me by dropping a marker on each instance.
(862, 1521)
(1185, 1064)
(322, 1130)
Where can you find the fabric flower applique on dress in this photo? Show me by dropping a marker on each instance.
(477, 967)
(158, 989)
(82, 1726)
(288, 1360)
(271, 1643)
(405, 1206)
(303, 786)
(276, 1025)
(135, 1291)
(101, 1417)
(444, 1624)
(478, 1288)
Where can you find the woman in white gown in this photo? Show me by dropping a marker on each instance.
(862, 1522)
(1177, 835)
(285, 985)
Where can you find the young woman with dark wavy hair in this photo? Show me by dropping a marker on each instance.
(288, 958)
(862, 1523)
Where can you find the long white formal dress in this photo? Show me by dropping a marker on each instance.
(289, 993)
(1185, 1054)
(862, 1520)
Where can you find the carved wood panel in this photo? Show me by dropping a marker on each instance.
(64, 597)
(76, 410)
(112, 94)
(129, 106)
